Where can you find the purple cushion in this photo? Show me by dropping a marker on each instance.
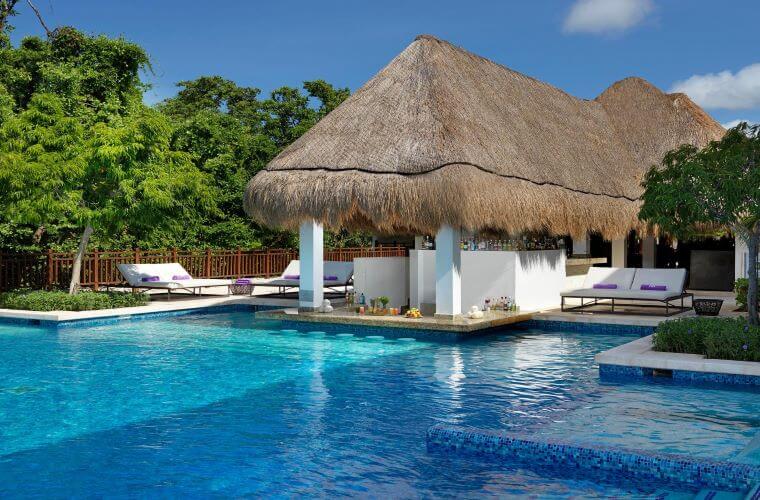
(292, 276)
(150, 278)
(243, 281)
(180, 277)
(331, 278)
(654, 288)
(605, 286)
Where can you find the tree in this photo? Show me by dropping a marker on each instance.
(79, 149)
(232, 134)
(713, 189)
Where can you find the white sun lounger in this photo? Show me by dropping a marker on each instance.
(134, 274)
(342, 271)
(629, 282)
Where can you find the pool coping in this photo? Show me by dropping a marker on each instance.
(126, 313)
(638, 358)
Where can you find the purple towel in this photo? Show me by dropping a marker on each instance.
(654, 288)
(243, 281)
(331, 278)
(150, 278)
(181, 277)
(605, 286)
(292, 277)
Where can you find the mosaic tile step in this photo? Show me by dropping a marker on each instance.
(620, 372)
(702, 473)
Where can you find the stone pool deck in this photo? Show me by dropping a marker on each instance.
(345, 316)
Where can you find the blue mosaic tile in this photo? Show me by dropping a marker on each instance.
(619, 372)
(696, 472)
(577, 326)
(716, 378)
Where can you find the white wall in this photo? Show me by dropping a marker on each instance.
(534, 278)
(487, 274)
(539, 278)
(376, 276)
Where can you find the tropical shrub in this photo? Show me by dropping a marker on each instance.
(719, 338)
(43, 300)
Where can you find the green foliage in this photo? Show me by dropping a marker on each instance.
(78, 147)
(714, 189)
(741, 288)
(231, 134)
(719, 338)
(42, 300)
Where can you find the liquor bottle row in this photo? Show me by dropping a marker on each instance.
(474, 244)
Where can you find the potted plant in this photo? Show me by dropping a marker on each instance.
(383, 299)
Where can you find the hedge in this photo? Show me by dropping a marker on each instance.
(719, 338)
(42, 300)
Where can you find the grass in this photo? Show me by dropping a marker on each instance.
(718, 338)
(43, 300)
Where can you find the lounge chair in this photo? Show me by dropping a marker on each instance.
(336, 274)
(610, 284)
(169, 277)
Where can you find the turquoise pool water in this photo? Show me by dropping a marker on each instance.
(224, 404)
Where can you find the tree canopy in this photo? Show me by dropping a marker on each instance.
(714, 189)
(79, 147)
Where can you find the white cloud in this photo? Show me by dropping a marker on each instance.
(606, 16)
(734, 123)
(740, 90)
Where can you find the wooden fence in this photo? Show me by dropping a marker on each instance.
(52, 270)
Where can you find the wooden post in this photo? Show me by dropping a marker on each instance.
(50, 268)
(267, 264)
(239, 263)
(96, 269)
(137, 255)
(174, 254)
(208, 263)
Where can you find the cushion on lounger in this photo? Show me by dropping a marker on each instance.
(180, 277)
(673, 279)
(150, 278)
(622, 277)
(605, 286)
(292, 277)
(243, 281)
(331, 278)
(653, 288)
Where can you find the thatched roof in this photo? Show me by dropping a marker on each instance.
(441, 135)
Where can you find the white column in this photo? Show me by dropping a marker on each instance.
(448, 279)
(740, 258)
(419, 242)
(649, 252)
(581, 246)
(619, 253)
(311, 250)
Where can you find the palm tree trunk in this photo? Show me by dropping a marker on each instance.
(76, 269)
(752, 245)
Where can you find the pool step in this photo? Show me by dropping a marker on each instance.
(692, 471)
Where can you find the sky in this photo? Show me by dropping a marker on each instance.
(707, 49)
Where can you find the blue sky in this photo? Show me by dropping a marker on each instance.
(707, 48)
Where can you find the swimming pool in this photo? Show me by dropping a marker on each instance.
(222, 404)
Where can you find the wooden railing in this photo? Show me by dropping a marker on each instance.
(52, 270)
